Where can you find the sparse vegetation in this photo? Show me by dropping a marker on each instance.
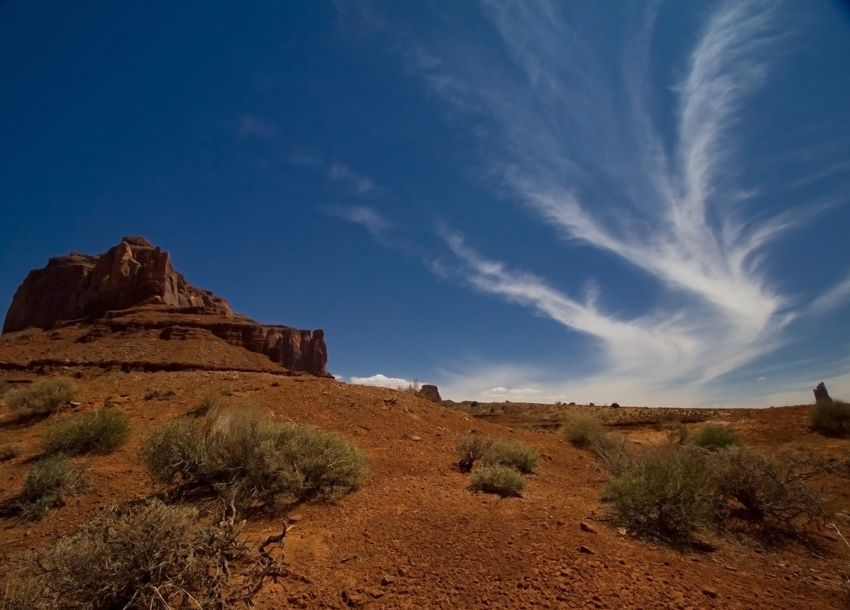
(101, 431)
(515, 454)
(47, 484)
(714, 437)
(413, 388)
(42, 397)
(212, 398)
(583, 431)
(472, 448)
(146, 556)
(10, 451)
(764, 489)
(665, 493)
(174, 450)
(503, 481)
(675, 432)
(831, 417)
(247, 459)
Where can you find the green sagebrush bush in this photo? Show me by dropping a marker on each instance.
(765, 489)
(503, 481)
(831, 417)
(101, 431)
(42, 397)
(243, 456)
(583, 431)
(48, 483)
(713, 437)
(666, 493)
(516, 455)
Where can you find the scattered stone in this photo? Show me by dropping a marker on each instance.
(415, 438)
(586, 528)
(387, 580)
(709, 592)
(296, 517)
(585, 550)
(350, 600)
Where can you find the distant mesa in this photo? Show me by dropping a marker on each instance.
(134, 287)
(430, 392)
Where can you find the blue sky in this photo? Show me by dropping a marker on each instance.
(591, 201)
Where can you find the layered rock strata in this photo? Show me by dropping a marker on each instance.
(133, 286)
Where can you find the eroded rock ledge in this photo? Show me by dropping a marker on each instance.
(133, 287)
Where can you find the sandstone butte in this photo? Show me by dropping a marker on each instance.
(133, 289)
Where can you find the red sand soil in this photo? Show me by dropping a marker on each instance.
(415, 537)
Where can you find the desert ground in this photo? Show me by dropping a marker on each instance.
(414, 536)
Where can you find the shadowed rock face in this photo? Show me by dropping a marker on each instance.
(135, 274)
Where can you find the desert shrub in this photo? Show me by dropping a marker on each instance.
(611, 452)
(47, 484)
(831, 417)
(503, 481)
(675, 432)
(248, 459)
(102, 431)
(769, 490)
(10, 451)
(713, 437)
(615, 405)
(665, 493)
(472, 449)
(413, 388)
(42, 397)
(147, 556)
(583, 430)
(212, 398)
(515, 454)
(175, 449)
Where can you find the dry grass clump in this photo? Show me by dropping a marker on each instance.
(10, 451)
(472, 448)
(248, 459)
(503, 481)
(48, 483)
(516, 455)
(583, 431)
(714, 437)
(831, 417)
(666, 493)
(41, 397)
(143, 557)
(102, 431)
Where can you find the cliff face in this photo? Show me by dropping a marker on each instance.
(133, 286)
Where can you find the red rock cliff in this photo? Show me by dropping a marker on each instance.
(134, 274)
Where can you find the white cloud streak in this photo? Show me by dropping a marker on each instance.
(339, 172)
(672, 208)
(364, 216)
(382, 381)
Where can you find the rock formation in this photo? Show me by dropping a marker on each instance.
(821, 395)
(132, 287)
(429, 392)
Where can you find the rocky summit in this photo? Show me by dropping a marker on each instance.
(133, 289)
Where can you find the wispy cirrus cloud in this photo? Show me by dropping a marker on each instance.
(579, 140)
(361, 185)
(251, 126)
(364, 216)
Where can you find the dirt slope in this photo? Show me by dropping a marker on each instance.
(414, 537)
